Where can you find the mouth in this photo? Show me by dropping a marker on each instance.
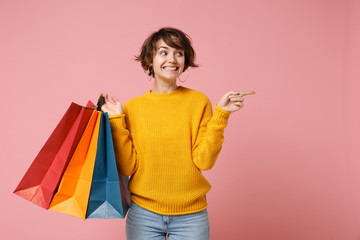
(170, 68)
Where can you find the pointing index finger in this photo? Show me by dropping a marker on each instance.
(247, 93)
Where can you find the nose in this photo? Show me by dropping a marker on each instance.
(172, 58)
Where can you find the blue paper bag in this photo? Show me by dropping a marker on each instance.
(109, 196)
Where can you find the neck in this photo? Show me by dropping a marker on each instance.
(164, 86)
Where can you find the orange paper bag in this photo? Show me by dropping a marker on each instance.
(73, 193)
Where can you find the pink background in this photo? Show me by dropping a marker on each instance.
(289, 167)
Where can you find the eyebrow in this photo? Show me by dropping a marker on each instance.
(163, 47)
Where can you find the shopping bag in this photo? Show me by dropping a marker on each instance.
(73, 193)
(106, 200)
(43, 176)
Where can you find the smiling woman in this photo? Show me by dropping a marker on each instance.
(164, 139)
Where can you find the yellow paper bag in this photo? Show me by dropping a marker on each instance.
(73, 194)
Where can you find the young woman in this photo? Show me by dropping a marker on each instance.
(164, 139)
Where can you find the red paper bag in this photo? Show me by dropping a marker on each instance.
(42, 179)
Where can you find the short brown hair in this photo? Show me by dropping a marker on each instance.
(174, 38)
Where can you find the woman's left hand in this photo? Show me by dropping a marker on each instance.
(233, 101)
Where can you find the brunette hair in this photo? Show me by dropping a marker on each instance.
(174, 38)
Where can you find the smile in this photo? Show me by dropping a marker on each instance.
(170, 68)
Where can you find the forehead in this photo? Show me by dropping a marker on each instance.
(161, 43)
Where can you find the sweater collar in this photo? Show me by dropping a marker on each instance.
(166, 95)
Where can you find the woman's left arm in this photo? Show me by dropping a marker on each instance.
(211, 132)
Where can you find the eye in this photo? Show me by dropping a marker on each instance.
(180, 54)
(163, 53)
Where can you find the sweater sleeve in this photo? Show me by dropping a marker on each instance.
(210, 137)
(125, 153)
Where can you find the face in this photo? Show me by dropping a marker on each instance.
(168, 62)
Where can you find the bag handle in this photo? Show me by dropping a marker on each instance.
(91, 105)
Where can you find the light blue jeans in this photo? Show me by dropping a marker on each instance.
(142, 224)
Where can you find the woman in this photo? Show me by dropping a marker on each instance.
(164, 139)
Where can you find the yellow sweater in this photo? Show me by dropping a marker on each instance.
(164, 140)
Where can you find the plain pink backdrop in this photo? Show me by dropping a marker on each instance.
(289, 167)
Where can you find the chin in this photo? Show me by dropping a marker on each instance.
(174, 77)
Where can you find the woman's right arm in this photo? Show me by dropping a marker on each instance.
(125, 153)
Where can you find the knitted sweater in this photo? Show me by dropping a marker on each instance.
(163, 141)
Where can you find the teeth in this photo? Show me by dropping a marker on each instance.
(170, 68)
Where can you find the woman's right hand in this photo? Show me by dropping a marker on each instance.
(112, 108)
